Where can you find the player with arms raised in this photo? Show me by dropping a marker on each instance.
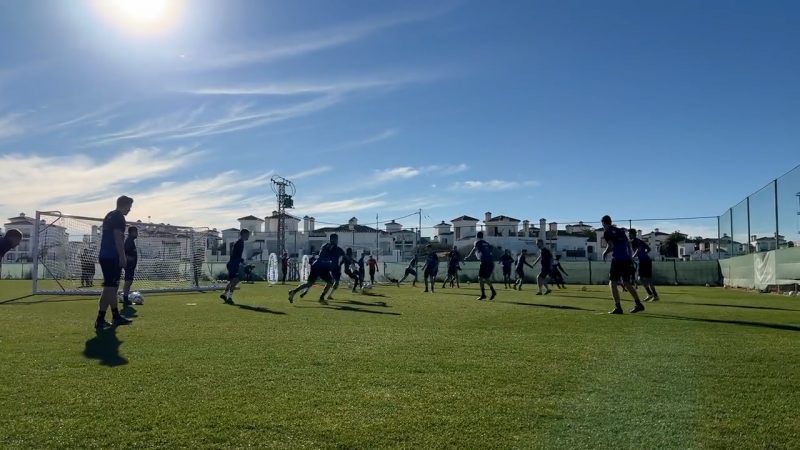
(621, 264)
(483, 251)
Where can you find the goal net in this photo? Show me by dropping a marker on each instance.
(65, 250)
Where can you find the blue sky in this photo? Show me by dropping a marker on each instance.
(566, 110)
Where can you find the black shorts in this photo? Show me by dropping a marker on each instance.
(111, 271)
(507, 271)
(410, 272)
(233, 270)
(621, 270)
(336, 273)
(452, 271)
(544, 273)
(646, 269)
(320, 271)
(520, 273)
(130, 272)
(350, 274)
(556, 276)
(431, 273)
(486, 270)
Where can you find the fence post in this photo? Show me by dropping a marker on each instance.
(590, 271)
(777, 227)
(35, 248)
(748, 225)
(730, 213)
(675, 271)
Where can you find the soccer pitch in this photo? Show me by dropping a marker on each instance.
(704, 367)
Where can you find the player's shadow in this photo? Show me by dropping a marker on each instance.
(352, 309)
(540, 305)
(355, 302)
(372, 294)
(129, 311)
(57, 299)
(559, 294)
(767, 308)
(774, 326)
(260, 309)
(104, 347)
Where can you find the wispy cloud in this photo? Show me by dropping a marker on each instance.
(10, 125)
(405, 172)
(308, 42)
(309, 173)
(491, 185)
(99, 117)
(349, 205)
(88, 187)
(203, 121)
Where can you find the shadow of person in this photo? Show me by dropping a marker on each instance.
(260, 309)
(104, 347)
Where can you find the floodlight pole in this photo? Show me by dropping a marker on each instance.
(284, 190)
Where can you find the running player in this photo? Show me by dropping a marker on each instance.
(112, 260)
(330, 257)
(130, 268)
(521, 263)
(556, 271)
(621, 264)
(233, 266)
(410, 270)
(431, 267)
(642, 251)
(507, 260)
(361, 273)
(546, 260)
(484, 253)
(453, 266)
(373, 267)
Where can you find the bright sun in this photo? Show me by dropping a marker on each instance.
(142, 15)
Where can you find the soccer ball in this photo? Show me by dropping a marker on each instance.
(137, 298)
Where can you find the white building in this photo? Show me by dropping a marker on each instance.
(500, 226)
(52, 237)
(464, 227)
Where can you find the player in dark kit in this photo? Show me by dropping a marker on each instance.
(642, 251)
(132, 256)
(410, 270)
(330, 257)
(556, 271)
(453, 266)
(507, 260)
(621, 264)
(112, 259)
(373, 267)
(9, 242)
(361, 273)
(284, 266)
(431, 268)
(233, 266)
(87, 268)
(546, 260)
(521, 263)
(484, 253)
(347, 261)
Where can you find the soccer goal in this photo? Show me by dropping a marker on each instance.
(65, 249)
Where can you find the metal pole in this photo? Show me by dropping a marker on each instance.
(777, 227)
(730, 213)
(748, 225)
(377, 234)
(719, 237)
(35, 248)
(420, 223)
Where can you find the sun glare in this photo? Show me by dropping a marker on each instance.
(142, 15)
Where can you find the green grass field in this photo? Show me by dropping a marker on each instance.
(703, 368)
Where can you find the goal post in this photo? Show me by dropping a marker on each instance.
(171, 258)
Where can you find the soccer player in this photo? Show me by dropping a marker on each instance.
(346, 261)
(361, 272)
(431, 267)
(621, 264)
(9, 242)
(87, 268)
(410, 270)
(556, 271)
(112, 259)
(546, 260)
(453, 266)
(330, 256)
(484, 253)
(642, 251)
(373, 267)
(132, 256)
(284, 266)
(233, 266)
(521, 263)
(507, 260)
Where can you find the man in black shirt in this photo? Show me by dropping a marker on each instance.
(132, 256)
(112, 259)
(233, 266)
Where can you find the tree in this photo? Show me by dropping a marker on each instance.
(670, 246)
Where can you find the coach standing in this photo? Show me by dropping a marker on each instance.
(112, 260)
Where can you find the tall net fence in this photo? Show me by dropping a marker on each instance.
(65, 248)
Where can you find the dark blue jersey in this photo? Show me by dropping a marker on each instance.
(331, 254)
(114, 220)
(454, 259)
(621, 252)
(5, 246)
(432, 261)
(643, 248)
(360, 263)
(130, 250)
(236, 253)
(484, 250)
(506, 260)
(413, 263)
(521, 261)
(546, 258)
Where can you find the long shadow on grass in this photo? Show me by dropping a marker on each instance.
(770, 308)
(368, 311)
(559, 294)
(104, 347)
(355, 302)
(260, 309)
(775, 326)
(572, 308)
(58, 299)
